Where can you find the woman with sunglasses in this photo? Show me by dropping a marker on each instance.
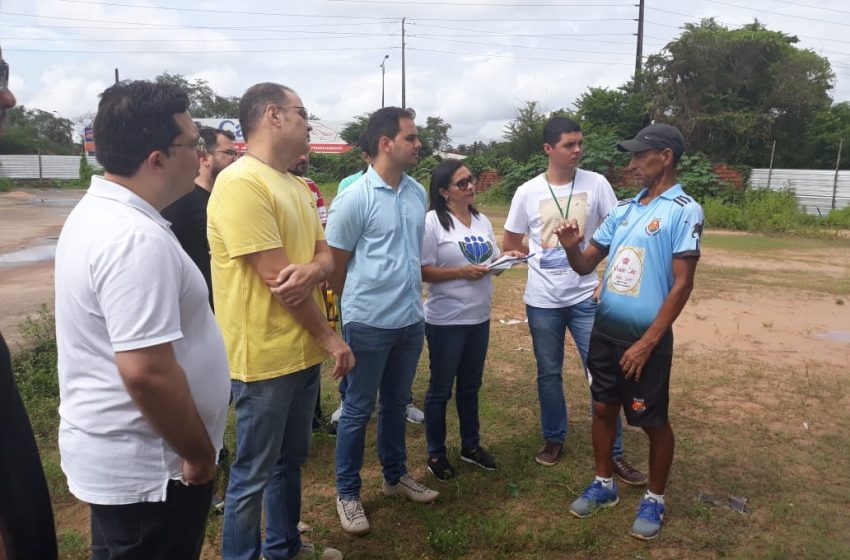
(458, 245)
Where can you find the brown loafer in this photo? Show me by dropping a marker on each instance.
(549, 454)
(626, 472)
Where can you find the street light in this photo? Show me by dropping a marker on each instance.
(383, 77)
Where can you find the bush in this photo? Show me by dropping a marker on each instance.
(423, 169)
(6, 184)
(329, 168)
(838, 218)
(761, 210)
(35, 371)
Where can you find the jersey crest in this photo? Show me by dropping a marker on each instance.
(476, 249)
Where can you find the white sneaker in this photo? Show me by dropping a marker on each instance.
(414, 415)
(309, 550)
(336, 415)
(352, 517)
(409, 488)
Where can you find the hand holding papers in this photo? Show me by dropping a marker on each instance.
(507, 261)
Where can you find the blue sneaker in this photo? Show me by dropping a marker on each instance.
(595, 496)
(648, 522)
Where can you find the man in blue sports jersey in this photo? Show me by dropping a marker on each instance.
(653, 245)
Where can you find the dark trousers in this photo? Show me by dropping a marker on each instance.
(153, 530)
(456, 356)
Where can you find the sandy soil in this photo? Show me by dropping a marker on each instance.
(27, 221)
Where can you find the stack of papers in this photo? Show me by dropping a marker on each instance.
(506, 261)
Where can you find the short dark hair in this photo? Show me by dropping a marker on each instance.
(363, 144)
(556, 126)
(441, 178)
(254, 103)
(135, 118)
(384, 122)
(210, 136)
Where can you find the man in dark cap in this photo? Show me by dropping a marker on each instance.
(652, 242)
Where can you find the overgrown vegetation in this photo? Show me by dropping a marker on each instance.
(36, 374)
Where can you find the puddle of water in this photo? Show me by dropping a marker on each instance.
(55, 202)
(835, 336)
(29, 255)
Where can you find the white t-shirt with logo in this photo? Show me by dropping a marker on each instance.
(458, 302)
(123, 282)
(551, 281)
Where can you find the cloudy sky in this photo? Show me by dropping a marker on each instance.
(470, 61)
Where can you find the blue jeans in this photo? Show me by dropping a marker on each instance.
(548, 328)
(386, 359)
(455, 352)
(273, 427)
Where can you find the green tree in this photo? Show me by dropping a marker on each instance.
(435, 134)
(732, 91)
(203, 101)
(30, 131)
(621, 111)
(352, 130)
(824, 134)
(524, 133)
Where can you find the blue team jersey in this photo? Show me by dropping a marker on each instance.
(641, 243)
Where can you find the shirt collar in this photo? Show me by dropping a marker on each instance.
(669, 194)
(103, 188)
(378, 182)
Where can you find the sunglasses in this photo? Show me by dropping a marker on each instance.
(464, 183)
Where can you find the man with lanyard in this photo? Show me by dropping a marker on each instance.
(653, 245)
(375, 233)
(556, 296)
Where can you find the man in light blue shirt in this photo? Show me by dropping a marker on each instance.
(653, 244)
(375, 232)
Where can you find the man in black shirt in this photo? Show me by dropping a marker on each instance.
(188, 216)
(26, 518)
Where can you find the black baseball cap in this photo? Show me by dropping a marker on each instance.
(656, 137)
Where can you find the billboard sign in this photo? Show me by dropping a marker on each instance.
(324, 138)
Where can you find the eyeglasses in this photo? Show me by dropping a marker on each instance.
(302, 111)
(231, 153)
(464, 183)
(198, 144)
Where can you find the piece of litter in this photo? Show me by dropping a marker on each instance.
(732, 502)
(806, 425)
(739, 505)
(510, 321)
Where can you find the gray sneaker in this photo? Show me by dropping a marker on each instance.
(414, 415)
(352, 517)
(409, 488)
(311, 552)
(595, 497)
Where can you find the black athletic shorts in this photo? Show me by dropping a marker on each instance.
(645, 402)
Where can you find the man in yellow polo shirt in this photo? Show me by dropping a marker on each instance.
(268, 256)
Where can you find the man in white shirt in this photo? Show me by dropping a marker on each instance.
(143, 375)
(556, 297)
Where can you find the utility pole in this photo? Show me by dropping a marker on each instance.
(116, 75)
(403, 82)
(639, 52)
(383, 75)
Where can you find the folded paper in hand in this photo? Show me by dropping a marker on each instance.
(507, 261)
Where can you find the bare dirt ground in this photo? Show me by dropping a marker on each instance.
(28, 219)
(759, 400)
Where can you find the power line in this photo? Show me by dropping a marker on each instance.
(205, 51)
(520, 46)
(483, 4)
(813, 6)
(215, 40)
(489, 32)
(456, 53)
(218, 11)
(173, 27)
(778, 13)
